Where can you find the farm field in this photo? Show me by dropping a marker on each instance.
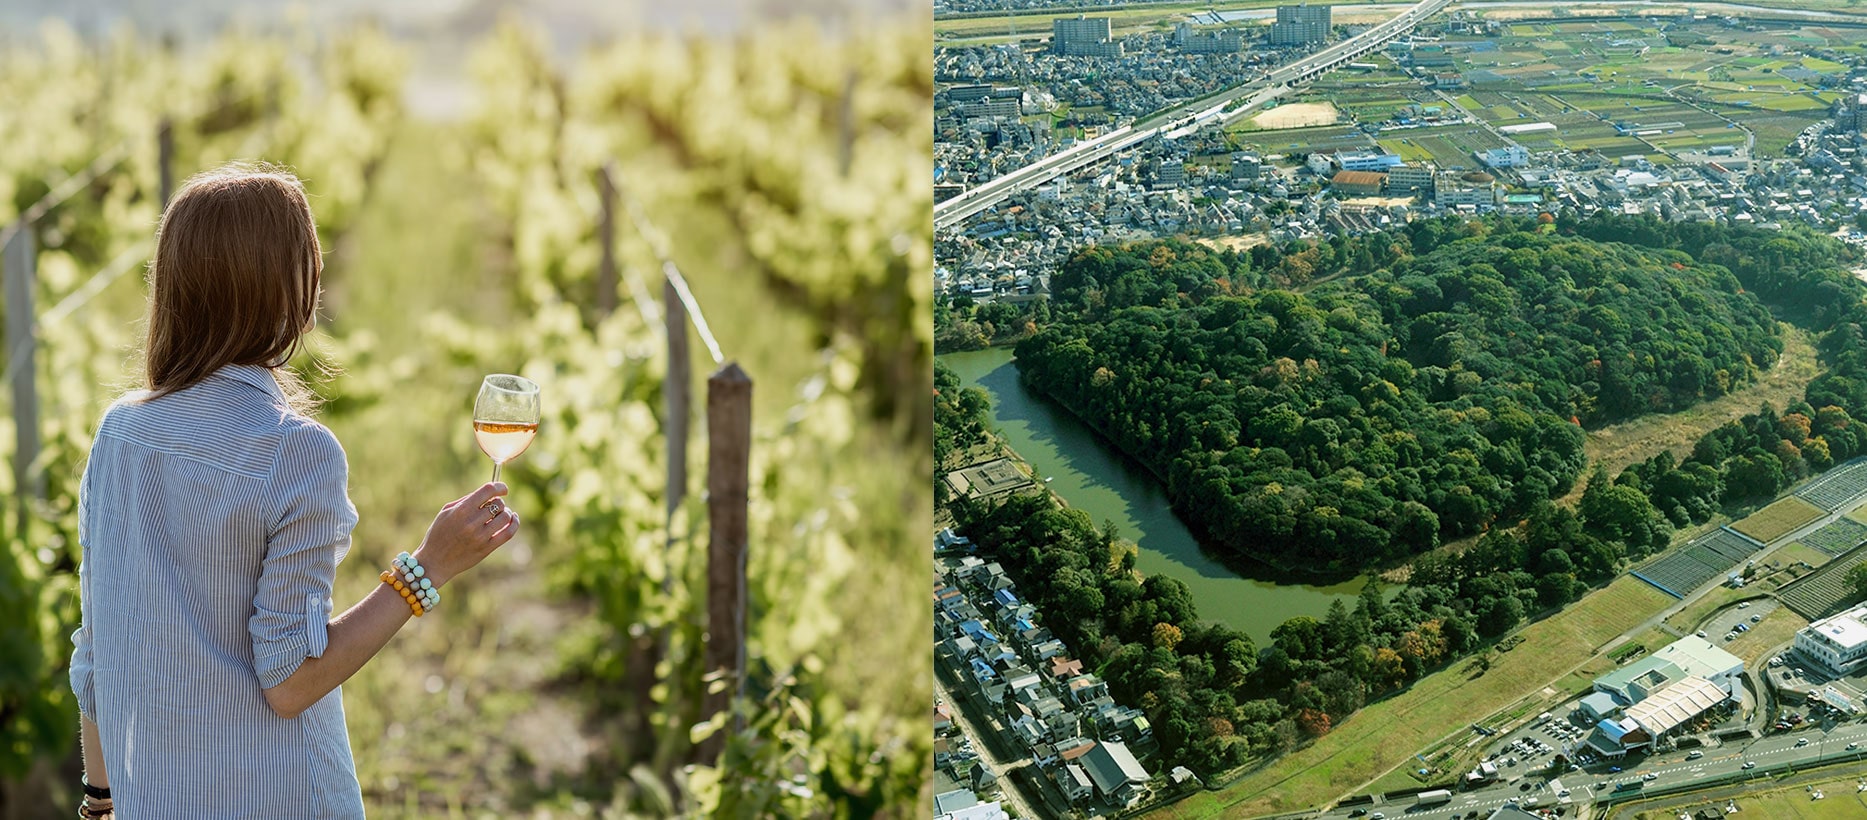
(1449, 147)
(1778, 519)
(1585, 76)
(1384, 734)
(1793, 553)
(1303, 140)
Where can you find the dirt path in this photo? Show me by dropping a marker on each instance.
(1617, 446)
(457, 714)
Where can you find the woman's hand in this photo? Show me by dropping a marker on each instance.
(465, 532)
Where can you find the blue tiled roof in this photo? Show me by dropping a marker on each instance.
(1613, 731)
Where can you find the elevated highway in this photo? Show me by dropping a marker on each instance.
(1183, 120)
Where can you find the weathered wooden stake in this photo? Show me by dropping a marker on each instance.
(165, 160)
(846, 126)
(678, 389)
(606, 236)
(19, 273)
(729, 450)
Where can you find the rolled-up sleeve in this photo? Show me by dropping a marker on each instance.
(292, 604)
(82, 664)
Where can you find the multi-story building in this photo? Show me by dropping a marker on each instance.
(1509, 156)
(1409, 179)
(1084, 36)
(1300, 25)
(1193, 41)
(1851, 112)
(1169, 173)
(1246, 166)
(1366, 161)
(1452, 190)
(1838, 643)
(997, 102)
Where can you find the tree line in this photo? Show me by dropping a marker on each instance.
(1364, 420)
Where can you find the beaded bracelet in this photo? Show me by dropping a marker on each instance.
(409, 580)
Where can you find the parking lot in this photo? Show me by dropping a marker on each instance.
(1532, 747)
(1730, 622)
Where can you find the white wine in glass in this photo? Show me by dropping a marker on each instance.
(505, 417)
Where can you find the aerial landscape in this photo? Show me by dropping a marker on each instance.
(1387, 410)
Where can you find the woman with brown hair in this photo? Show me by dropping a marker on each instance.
(212, 514)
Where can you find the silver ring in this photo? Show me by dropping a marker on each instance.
(497, 507)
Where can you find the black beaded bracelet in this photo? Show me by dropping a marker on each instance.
(93, 791)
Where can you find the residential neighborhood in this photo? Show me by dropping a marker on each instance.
(1072, 742)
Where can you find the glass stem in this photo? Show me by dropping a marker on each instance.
(495, 472)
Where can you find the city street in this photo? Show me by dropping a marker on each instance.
(990, 747)
(1672, 771)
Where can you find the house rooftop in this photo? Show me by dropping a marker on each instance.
(1112, 766)
(1062, 667)
(1848, 629)
(955, 800)
(1650, 671)
(1673, 706)
(1696, 656)
(1357, 178)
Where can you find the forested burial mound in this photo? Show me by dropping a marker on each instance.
(1441, 382)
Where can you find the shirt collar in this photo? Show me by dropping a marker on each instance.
(259, 377)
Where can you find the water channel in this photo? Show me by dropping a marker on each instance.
(1091, 476)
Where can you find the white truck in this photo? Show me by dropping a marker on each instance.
(1433, 798)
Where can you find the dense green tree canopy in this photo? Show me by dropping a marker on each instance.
(1370, 417)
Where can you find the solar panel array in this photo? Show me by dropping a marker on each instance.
(1838, 537)
(1701, 559)
(1823, 590)
(1840, 485)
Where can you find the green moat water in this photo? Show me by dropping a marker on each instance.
(1091, 475)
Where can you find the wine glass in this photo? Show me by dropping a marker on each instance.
(505, 417)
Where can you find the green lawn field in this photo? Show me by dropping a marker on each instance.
(1385, 734)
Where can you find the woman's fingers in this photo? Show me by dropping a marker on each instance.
(484, 495)
(508, 529)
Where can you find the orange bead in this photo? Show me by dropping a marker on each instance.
(416, 608)
(399, 587)
(386, 577)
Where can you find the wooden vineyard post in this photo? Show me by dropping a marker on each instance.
(606, 236)
(165, 161)
(729, 450)
(19, 260)
(678, 388)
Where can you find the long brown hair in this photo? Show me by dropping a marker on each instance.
(235, 279)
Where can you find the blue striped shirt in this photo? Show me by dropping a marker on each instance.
(212, 521)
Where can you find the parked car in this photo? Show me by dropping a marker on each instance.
(1755, 618)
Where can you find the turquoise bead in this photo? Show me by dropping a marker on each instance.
(426, 584)
(419, 571)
